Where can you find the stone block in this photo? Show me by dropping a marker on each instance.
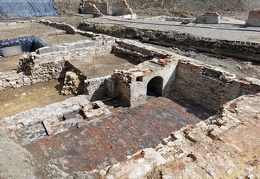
(11, 51)
(53, 126)
(254, 18)
(121, 8)
(95, 7)
(208, 18)
(44, 50)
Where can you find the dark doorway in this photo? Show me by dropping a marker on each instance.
(154, 87)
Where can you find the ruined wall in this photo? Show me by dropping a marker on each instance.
(68, 28)
(121, 8)
(97, 88)
(228, 138)
(49, 62)
(95, 6)
(210, 86)
(12, 79)
(244, 50)
(205, 85)
(132, 84)
(208, 18)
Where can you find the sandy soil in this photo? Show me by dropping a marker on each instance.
(49, 34)
(14, 101)
(101, 65)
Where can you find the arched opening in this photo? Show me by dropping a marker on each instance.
(154, 87)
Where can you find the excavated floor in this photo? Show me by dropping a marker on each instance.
(101, 65)
(13, 101)
(105, 141)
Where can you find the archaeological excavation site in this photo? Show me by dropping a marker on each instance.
(123, 89)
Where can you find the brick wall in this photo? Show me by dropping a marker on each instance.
(210, 86)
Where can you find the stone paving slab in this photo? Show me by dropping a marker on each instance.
(105, 141)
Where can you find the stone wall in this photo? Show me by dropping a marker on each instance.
(97, 88)
(13, 79)
(203, 84)
(38, 123)
(49, 62)
(68, 28)
(243, 50)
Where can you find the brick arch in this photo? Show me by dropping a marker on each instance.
(155, 86)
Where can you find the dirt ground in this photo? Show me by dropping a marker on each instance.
(49, 34)
(101, 65)
(14, 101)
(176, 8)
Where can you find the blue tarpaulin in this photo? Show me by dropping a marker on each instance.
(27, 43)
(11, 9)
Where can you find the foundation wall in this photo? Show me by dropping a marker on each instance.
(97, 88)
(210, 87)
(244, 50)
(49, 63)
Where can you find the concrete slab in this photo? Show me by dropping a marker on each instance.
(12, 51)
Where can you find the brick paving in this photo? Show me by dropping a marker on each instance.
(105, 141)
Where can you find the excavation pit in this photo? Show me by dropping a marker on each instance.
(76, 135)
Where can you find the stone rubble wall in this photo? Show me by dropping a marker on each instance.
(244, 50)
(52, 119)
(31, 120)
(98, 88)
(13, 79)
(137, 51)
(63, 26)
(49, 63)
(202, 148)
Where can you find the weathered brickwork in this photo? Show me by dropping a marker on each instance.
(137, 80)
(224, 146)
(204, 84)
(104, 141)
(209, 86)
